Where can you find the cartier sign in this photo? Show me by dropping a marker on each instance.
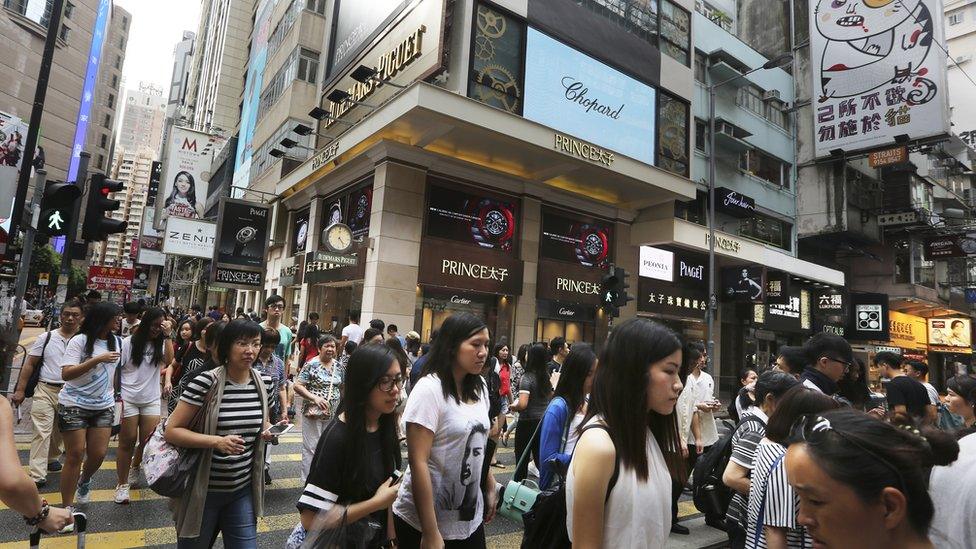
(568, 283)
(465, 268)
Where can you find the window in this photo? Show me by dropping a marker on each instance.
(64, 32)
(318, 6)
(669, 29)
(101, 162)
(497, 64)
(103, 141)
(69, 9)
(284, 25)
(955, 18)
(308, 66)
(107, 122)
(281, 80)
(115, 81)
(701, 134)
(118, 61)
(672, 134)
(759, 164)
(750, 98)
(767, 229)
(38, 11)
(701, 65)
(125, 22)
(111, 101)
(121, 42)
(777, 115)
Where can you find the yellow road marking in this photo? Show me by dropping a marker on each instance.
(110, 465)
(285, 439)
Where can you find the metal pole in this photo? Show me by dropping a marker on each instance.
(712, 300)
(69, 239)
(13, 332)
(40, 93)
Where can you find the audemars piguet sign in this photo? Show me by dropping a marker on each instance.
(461, 267)
(412, 50)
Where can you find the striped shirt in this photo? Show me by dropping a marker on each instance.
(771, 492)
(744, 443)
(240, 414)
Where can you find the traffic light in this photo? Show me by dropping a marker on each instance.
(97, 226)
(57, 208)
(614, 290)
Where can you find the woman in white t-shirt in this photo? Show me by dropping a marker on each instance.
(618, 488)
(86, 403)
(143, 355)
(448, 494)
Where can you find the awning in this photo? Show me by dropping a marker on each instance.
(735, 249)
(449, 124)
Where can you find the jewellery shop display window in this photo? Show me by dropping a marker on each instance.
(438, 304)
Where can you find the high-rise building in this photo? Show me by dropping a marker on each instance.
(133, 168)
(219, 60)
(142, 119)
(180, 81)
(23, 27)
(960, 25)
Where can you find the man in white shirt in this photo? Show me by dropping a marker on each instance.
(46, 353)
(352, 332)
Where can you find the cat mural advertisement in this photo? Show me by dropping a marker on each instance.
(879, 71)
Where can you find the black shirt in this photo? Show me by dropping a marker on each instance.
(908, 392)
(553, 366)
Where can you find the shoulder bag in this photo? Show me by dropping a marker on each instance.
(519, 497)
(35, 376)
(119, 404)
(170, 469)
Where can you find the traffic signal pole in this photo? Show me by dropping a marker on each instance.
(11, 335)
(81, 180)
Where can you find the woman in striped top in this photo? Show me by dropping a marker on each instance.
(772, 513)
(228, 490)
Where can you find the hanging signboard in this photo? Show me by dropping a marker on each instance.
(868, 317)
(110, 279)
(878, 72)
(190, 238)
(242, 239)
(950, 335)
(954, 245)
(185, 178)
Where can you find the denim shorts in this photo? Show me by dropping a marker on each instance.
(72, 418)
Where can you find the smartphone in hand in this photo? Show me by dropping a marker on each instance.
(397, 477)
(280, 428)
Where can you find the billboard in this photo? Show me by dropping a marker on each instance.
(577, 239)
(950, 335)
(242, 238)
(356, 23)
(110, 279)
(744, 283)
(252, 93)
(102, 20)
(953, 245)
(186, 175)
(878, 72)
(151, 240)
(13, 132)
(576, 94)
(489, 222)
(189, 238)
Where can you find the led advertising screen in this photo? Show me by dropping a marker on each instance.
(489, 222)
(576, 239)
(576, 94)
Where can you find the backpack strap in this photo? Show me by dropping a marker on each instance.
(762, 503)
(616, 461)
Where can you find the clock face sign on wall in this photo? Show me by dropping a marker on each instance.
(338, 238)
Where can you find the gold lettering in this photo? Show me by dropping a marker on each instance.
(583, 150)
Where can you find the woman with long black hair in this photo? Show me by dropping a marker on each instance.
(143, 354)
(226, 494)
(563, 416)
(182, 200)
(618, 488)
(445, 499)
(86, 403)
(357, 454)
(534, 392)
(191, 361)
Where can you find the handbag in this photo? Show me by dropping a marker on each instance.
(519, 497)
(314, 412)
(345, 535)
(35, 376)
(119, 405)
(170, 469)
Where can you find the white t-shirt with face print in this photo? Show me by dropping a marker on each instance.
(456, 459)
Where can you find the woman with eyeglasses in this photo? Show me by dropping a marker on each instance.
(771, 511)
(445, 500)
(862, 482)
(357, 454)
(226, 494)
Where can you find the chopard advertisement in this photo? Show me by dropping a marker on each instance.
(580, 240)
(488, 222)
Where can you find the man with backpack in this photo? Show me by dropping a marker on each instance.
(41, 380)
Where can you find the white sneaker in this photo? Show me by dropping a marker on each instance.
(133, 479)
(83, 493)
(122, 494)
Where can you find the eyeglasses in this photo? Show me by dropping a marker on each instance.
(847, 364)
(813, 429)
(70, 315)
(386, 383)
(277, 307)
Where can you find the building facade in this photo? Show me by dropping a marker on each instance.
(180, 81)
(132, 167)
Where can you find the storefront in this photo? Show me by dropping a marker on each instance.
(671, 289)
(950, 348)
(469, 257)
(575, 251)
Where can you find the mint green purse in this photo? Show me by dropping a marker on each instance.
(519, 497)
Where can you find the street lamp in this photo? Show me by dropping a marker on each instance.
(779, 61)
(365, 75)
(319, 113)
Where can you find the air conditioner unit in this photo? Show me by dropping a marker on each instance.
(963, 58)
(725, 128)
(770, 95)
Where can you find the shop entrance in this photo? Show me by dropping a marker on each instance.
(438, 304)
(335, 303)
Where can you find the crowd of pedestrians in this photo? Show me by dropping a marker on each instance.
(815, 458)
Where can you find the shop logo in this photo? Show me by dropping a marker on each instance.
(577, 286)
(692, 271)
(656, 263)
(460, 300)
(473, 270)
(868, 318)
(566, 312)
(576, 92)
(582, 149)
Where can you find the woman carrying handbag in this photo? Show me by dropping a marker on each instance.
(320, 386)
(227, 489)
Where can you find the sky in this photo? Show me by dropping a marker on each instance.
(155, 30)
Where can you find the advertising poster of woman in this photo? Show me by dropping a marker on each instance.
(186, 175)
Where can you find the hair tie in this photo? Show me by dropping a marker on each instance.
(916, 432)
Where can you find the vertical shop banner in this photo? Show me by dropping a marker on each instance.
(102, 20)
(333, 211)
(950, 335)
(185, 178)
(878, 72)
(242, 239)
(252, 90)
(360, 205)
(576, 94)
(299, 233)
(13, 132)
(151, 240)
(576, 239)
(140, 279)
(489, 222)
(777, 287)
(746, 284)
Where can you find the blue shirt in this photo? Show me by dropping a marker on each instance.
(555, 423)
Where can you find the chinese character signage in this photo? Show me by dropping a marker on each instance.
(777, 287)
(950, 335)
(659, 297)
(110, 279)
(908, 331)
(577, 239)
(829, 302)
(878, 72)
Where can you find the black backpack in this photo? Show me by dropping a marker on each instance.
(710, 494)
